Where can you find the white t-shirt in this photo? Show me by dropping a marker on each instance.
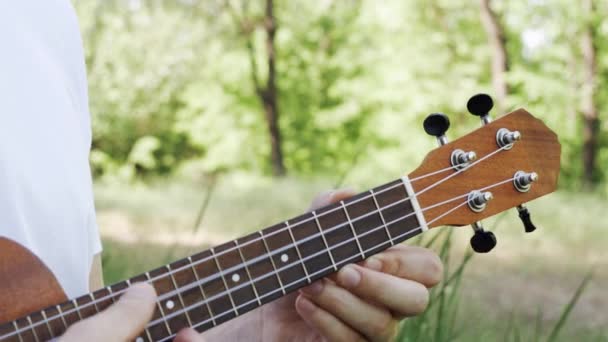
(46, 199)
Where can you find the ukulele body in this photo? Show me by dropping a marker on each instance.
(26, 284)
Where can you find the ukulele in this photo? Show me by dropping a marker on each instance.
(503, 164)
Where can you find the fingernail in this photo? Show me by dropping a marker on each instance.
(314, 288)
(305, 304)
(373, 264)
(349, 277)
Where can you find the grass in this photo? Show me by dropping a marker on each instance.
(532, 287)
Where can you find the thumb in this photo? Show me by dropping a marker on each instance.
(122, 321)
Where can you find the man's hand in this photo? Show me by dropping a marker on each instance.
(122, 321)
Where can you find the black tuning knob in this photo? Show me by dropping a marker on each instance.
(483, 241)
(480, 105)
(524, 215)
(436, 124)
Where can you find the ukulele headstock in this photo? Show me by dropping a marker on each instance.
(476, 169)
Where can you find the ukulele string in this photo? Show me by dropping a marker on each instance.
(113, 295)
(276, 272)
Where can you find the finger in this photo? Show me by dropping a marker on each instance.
(404, 297)
(330, 197)
(120, 322)
(188, 335)
(409, 262)
(376, 323)
(327, 325)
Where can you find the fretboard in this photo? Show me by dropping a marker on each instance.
(216, 285)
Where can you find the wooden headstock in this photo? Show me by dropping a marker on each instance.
(537, 151)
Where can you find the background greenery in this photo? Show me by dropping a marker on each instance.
(180, 94)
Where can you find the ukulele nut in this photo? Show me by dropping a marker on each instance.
(478, 200)
(523, 180)
(461, 159)
(505, 138)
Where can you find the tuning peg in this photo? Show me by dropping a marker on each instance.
(524, 215)
(480, 105)
(482, 241)
(436, 124)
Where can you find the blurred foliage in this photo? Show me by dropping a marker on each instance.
(170, 82)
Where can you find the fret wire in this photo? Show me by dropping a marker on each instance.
(94, 302)
(109, 288)
(148, 334)
(272, 261)
(224, 281)
(179, 293)
(255, 290)
(298, 251)
(352, 229)
(382, 218)
(29, 319)
(324, 240)
(76, 308)
(202, 291)
(17, 331)
(65, 324)
(158, 305)
(417, 229)
(48, 326)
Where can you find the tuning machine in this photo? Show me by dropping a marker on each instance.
(524, 215)
(436, 124)
(482, 241)
(480, 105)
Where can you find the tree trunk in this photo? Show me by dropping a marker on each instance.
(589, 109)
(497, 41)
(269, 95)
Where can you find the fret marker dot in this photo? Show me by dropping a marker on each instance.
(169, 304)
(236, 278)
(139, 339)
(284, 258)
